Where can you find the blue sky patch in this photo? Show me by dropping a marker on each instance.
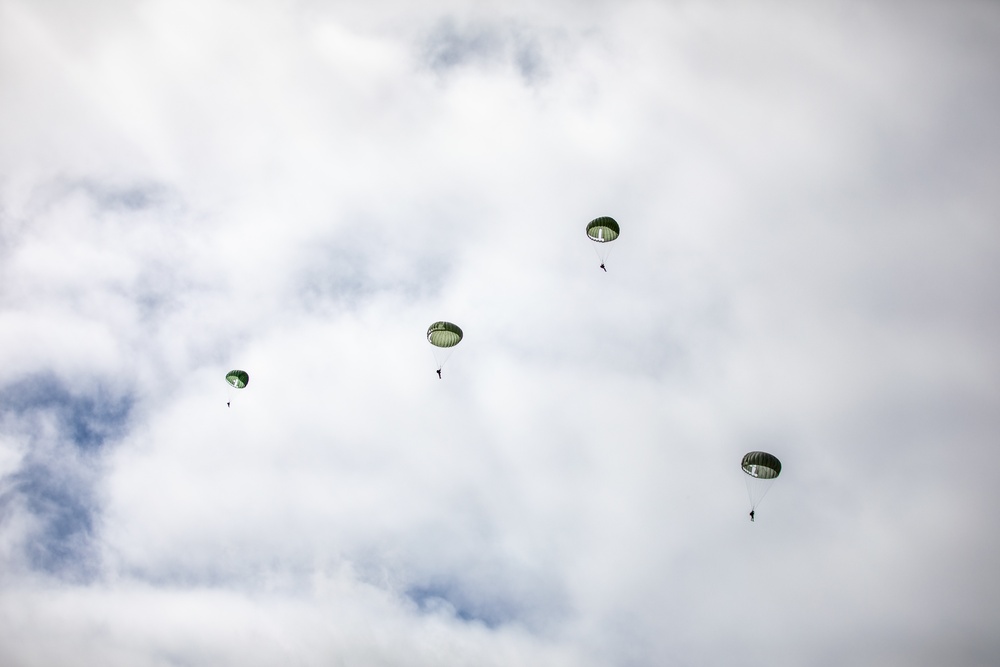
(60, 499)
(87, 419)
(460, 604)
(449, 46)
(65, 432)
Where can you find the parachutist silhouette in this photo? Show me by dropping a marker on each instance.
(227, 404)
(751, 515)
(605, 270)
(439, 373)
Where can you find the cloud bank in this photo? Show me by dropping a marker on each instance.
(808, 265)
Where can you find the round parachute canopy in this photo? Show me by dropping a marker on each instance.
(237, 378)
(761, 465)
(444, 334)
(603, 230)
(761, 470)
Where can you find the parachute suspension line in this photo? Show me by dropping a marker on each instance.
(602, 250)
(756, 490)
(607, 253)
(440, 356)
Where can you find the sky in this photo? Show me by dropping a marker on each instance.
(809, 265)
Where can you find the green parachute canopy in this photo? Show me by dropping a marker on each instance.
(603, 230)
(444, 334)
(761, 465)
(761, 470)
(237, 378)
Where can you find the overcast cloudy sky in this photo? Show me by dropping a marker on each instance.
(809, 265)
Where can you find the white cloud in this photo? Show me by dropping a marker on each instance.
(807, 265)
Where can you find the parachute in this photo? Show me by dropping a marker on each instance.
(761, 470)
(237, 379)
(443, 337)
(603, 231)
